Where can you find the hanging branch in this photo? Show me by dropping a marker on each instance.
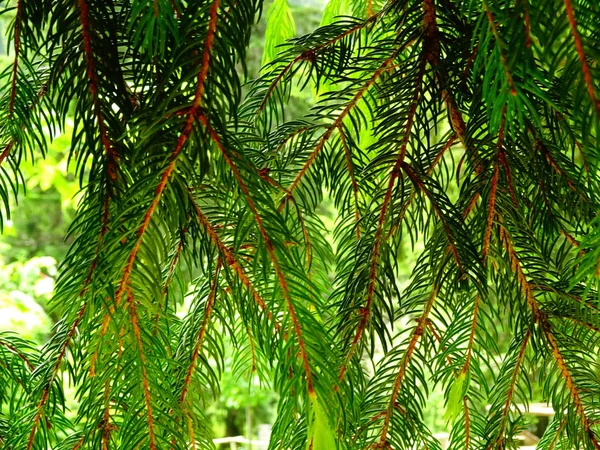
(11, 348)
(413, 194)
(270, 250)
(511, 390)
(492, 202)
(183, 137)
(541, 318)
(53, 373)
(430, 47)
(15, 68)
(417, 333)
(111, 167)
(264, 174)
(12, 142)
(587, 76)
(500, 45)
(386, 65)
(93, 83)
(451, 239)
(394, 174)
(308, 55)
(467, 365)
(196, 351)
(145, 383)
(233, 263)
(465, 404)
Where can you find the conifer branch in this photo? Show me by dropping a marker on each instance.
(500, 45)
(492, 202)
(470, 345)
(340, 118)
(413, 194)
(182, 129)
(308, 55)
(171, 274)
(54, 372)
(79, 443)
(17, 50)
(394, 175)
(12, 142)
(270, 250)
(465, 403)
(233, 263)
(203, 327)
(507, 172)
(587, 76)
(86, 32)
(264, 174)
(561, 426)
(11, 348)
(183, 137)
(176, 9)
(511, 390)
(451, 239)
(491, 214)
(145, 379)
(541, 318)
(418, 332)
(570, 383)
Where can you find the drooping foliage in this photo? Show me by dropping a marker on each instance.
(465, 132)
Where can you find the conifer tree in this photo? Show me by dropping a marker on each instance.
(463, 131)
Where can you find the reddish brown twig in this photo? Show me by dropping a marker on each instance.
(145, 380)
(183, 137)
(270, 250)
(587, 76)
(15, 68)
(203, 327)
(395, 173)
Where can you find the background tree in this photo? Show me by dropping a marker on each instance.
(465, 131)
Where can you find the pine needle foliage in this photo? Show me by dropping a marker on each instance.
(464, 131)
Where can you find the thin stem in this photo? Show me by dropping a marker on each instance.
(587, 76)
(183, 137)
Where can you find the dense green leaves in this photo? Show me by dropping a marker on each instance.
(456, 141)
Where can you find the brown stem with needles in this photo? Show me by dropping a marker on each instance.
(394, 175)
(17, 49)
(270, 249)
(207, 315)
(309, 54)
(46, 391)
(412, 345)
(499, 44)
(587, 76)
(11, 348)
(387, 63)
(233, 263)
(542, 320)
(145, 380)
(511, 390)
(183, 137)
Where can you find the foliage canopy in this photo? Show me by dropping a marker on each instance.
(465, 131)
